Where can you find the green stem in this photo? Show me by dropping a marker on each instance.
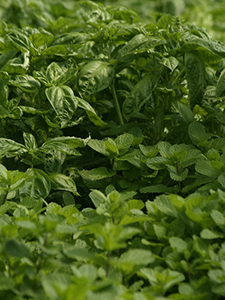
(178, 76)
(118, 110)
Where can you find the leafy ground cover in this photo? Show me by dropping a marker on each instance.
(112, 154)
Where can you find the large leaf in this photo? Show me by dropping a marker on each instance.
(10, 148)
(19, 64)
(220, 86)
(195, 69)
(63, 102)
(37, 185)
(20, 41)
(63, 182)
(139, 44)
(94, 77)
(138, 96)
(16, 248)
(26, 83)
(65, 144)
(97, 173)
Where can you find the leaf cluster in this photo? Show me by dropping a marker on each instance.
(112, 155)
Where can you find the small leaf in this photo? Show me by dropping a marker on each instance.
(30, 142)
(208, 234)
(178, 244)
(124, 142)
(111, 148)
(97, 197)
(218, 218)
(97, 173)
(221, 180)
(98, 145)
(170, 62)
(135, 257)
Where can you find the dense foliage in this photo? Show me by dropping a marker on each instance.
(205, 13)
(112, 147)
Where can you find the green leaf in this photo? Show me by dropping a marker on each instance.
(135, 257)
(98, 145)
(220, 86)
(97, 197)
(111, 148)
(57, 74)
(3, 173)
(177, 176)
(16, 179)
(64, 144)
(184, 111)
(208, 234)
(94, 77)
(157, 188)
(209, 50)
(26, 83)
(20, 41)
(139, 95)
(178, 244)
(221, 180)
(10, 148)
(30, 141)
(16, 249)
(124, 142)
(195, 78)
(37, 185)
(157, 163)
(4, 93)
(63, 102)
(149, 151)
(162, 279)
(218, 218)
(139, 44)
(170, 62)
(209, 168)
(63, 182)
(198, 134)
(135, 204)
(18, 64)
(90, 112)
(164, 204)
(6, 283)
(97, 173)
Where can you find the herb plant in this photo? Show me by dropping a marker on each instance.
(112, 155)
